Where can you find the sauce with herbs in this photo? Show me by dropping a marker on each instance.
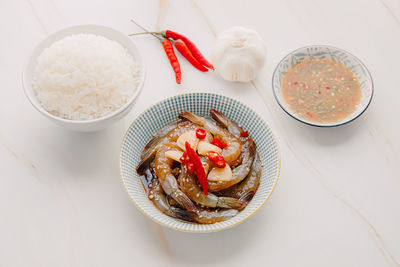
(321, 90)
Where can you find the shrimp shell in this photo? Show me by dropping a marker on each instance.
(247, 155)
(206, 216)
(248, 187)
(209, 217)
(238, 173)
(157, 137)
(156, 195)
(162, 165)
(160, 139)
(190, 187)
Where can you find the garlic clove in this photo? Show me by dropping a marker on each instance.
(174, 155)
(189, 136)
(220, 174)
(203, 147)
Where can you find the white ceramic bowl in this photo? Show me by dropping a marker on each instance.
(83, 125)
(335, 54)
(165, 112)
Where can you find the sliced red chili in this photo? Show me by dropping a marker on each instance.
(184, 158)
(190, 167)
(198, 166)
(217, 142)
(201, 133)
(217, 159)
(220, 162)
(244, 134)
(223, 145)
(212, 155)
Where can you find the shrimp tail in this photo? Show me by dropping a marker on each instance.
(218, 117)
(246, 197)
(229, 202)
(145, 163)
(183, 200)
(181, 214)
(232, 126)
(191, 117)
(149, 144)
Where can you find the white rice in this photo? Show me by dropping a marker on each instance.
(85, 76)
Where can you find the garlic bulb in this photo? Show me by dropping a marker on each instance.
(239, 54)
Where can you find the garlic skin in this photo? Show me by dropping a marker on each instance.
(238, 54)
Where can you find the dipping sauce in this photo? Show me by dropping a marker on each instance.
(321, 90)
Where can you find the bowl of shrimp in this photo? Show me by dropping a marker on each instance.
(199, 162)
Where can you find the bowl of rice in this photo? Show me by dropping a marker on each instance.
(84, 77)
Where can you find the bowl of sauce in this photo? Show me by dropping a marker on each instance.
(322, 86)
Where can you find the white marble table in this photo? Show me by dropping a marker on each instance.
(337, 201)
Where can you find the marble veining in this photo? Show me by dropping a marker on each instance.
(63, 203)
(390, 11)
(41, 23)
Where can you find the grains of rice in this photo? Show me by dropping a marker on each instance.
(85, 76)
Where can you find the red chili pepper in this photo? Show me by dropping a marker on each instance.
(198, 166)
(184, 158)
(190, 167)
(184, 50)
(244, 134)
(309, 114)
(295, 83)
(212, 155)
(220, 162)
(169, 50)
(217, 159)
(217, 142)
(201, 133)
(191, 46)
(328, 87)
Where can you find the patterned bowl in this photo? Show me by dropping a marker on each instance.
(166, 111)
(333, 53)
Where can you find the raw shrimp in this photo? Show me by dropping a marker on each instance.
(156, 194)
(232, 151)
(156, 142)
(190, 187)
(248, 187)
(247, 155)
(209, 217)
(162, 166)
(232, 126)
(206, 216)
(238, 173)
(157, 137)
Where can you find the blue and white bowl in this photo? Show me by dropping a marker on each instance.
(165, 112)
(335, 54)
